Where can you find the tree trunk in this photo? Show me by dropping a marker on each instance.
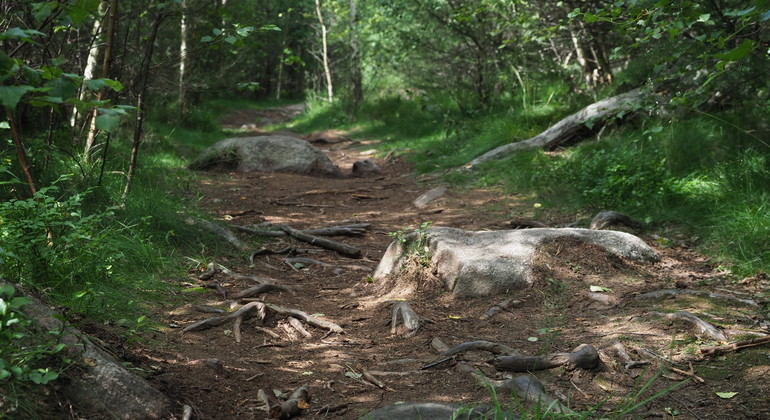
(567, 129)
(93, 57)
(325, 53)
(21, 154)
(140, 106)
(183, 32)
(111, 19)
(357, 96)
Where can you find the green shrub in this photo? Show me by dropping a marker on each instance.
(27, 356)
(49, 242)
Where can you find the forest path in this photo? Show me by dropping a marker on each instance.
(220, 378)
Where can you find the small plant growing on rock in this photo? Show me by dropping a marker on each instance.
(415, 241)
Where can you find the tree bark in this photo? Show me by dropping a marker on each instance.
(93, 56)
(567, 129)
(183, 60)
(111, 18)
(325, 53)
(140, 107)
(21, 154)
(357, 96)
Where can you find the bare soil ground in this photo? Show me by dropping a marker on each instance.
(555, 315)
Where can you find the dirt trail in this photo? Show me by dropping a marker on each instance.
(555, 312)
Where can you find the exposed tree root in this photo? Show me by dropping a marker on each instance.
(246, 311)
(297, 325)
(258, 290)
(411, 321)
(489, 346)
(262, 311)
(657, 294)
(502, 306)
(292, 407)
(344, 249)
(355, 229)
(702, 327)
(314, 321)
(740, 345)
(214, 269)
(584, 356)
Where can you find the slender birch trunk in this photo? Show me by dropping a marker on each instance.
(112, 18)
(183, 32)
(325, 53)
(93, 56)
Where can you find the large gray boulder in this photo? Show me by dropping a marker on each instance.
(268, 154)
(493, 262)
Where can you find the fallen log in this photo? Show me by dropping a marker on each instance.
(411, 321)
(292, 407)
(100, 387)
(344, 249)
(568, 129)
(584, 356)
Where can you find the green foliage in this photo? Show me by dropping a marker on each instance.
(700, 49)
(49, 241)
(416, 242)
(27, 356)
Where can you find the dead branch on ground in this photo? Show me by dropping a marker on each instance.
(584, 356)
